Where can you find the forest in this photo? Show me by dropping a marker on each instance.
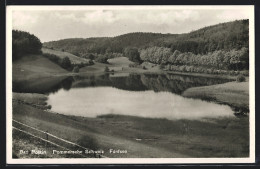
(223, 46)
(224, 36)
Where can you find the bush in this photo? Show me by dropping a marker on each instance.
(133, 65)
(106, 69)
(52, 57)
(88, 142)
(245, 72)
(102, 59)
(91, 62)
(241, 78)
(75, 69)
(65, 63)
(161, 66)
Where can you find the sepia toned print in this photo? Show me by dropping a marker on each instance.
(130, 84)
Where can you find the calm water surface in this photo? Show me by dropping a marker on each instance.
(94, 101)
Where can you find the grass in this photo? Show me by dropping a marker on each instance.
(22, 141)
(120, 61)
(144, 137)
(73, 58)
(119, 65)
(116, 64)
(232, 93)
(35, 66)
(32, 98)
(94, 69)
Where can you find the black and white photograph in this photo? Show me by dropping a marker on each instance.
(130, 84)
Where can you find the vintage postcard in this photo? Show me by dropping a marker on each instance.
(130, 84)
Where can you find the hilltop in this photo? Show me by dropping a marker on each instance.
(223, 36)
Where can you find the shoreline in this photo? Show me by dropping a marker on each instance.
(234, 94)
(139, 136)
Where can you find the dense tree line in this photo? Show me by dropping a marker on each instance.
(65, 62)
(224, 60)
(24, 43)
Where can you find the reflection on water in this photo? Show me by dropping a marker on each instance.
(43, 85)
(172, 83)
(94, 101)
(134, 82)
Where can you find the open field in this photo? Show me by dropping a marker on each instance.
(232, 93)
(144, 137)
(73, 58)
(116, 64)
(120, 61)
(97, 68)
(120, 65)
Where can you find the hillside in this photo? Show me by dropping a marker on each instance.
(33, 66)
(81, 47)
(73, 58)
(224, 36)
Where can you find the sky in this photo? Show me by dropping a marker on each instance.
(50, 24)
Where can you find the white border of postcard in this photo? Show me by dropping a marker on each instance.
(9, 160)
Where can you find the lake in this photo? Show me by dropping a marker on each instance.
(150, 96)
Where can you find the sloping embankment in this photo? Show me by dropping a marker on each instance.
(232, 93)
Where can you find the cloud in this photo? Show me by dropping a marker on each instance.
(22, 19)
(99, 17)
(65, 16)
(233, 15)
(59, 24)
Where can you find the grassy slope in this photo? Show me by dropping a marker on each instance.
(143, 137)
(31, 98)
(73, 58)
(231, 93)
(115, 64)
(34, 66)
(120, 65)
